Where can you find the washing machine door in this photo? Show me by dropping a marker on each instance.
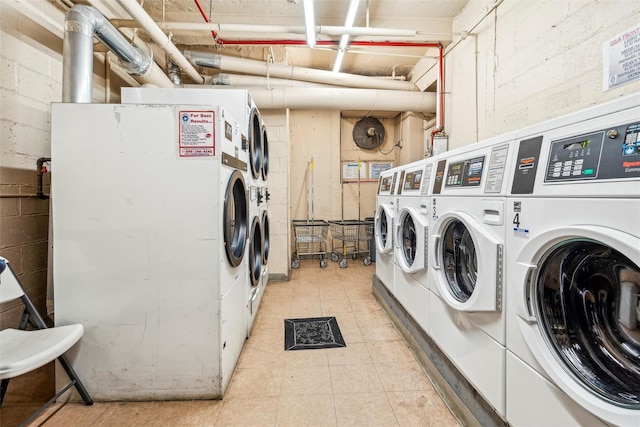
(255, 144)
(580, 316)
(411, 240)
(468, 263)
(265, 237)
(235, 218)
(384, 228)
(265, 154)
(255, 252)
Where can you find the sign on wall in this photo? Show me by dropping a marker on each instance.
(621, 59)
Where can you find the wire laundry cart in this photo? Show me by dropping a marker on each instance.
(310, 237)
(350, 237)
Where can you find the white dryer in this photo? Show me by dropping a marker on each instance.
(240, 104)
(150, 229)
(573, 317)
(384, 221)
(411, 240)
(467, 242)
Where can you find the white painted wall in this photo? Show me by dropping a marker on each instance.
(528, 61)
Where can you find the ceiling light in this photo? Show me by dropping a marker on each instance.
(344, 40)
(309, 22)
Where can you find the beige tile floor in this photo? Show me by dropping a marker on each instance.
(374, 381)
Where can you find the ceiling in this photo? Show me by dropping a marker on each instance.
(429, 20)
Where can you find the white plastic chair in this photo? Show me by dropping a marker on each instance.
(23, 351)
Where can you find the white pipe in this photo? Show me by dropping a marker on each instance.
(342, 99)
(224, 79)
(330, 30)
(249, 66)
(151, 28)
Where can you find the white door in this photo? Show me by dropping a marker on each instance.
(467, 261)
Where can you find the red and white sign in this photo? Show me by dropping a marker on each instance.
(196, 136)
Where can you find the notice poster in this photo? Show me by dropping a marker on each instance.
(353, 171)
(621, 59)
(196, 135)
(376, 168)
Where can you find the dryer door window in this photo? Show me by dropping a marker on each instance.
(459, 260)
(235, 220)
(265, 154)
(586, 297)
(265, 237)
(255, 252)
(255, 144)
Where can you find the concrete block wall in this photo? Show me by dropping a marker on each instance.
(527, 62)
(30, 79)
(277, 123)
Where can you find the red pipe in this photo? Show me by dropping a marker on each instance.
(293, 42)
(439, 128)
(206, 19)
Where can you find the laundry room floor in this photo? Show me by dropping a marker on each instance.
(374, 381)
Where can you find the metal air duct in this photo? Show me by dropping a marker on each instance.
(82, 23)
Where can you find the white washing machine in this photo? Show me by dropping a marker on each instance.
(411, 240)
(573, 317)
(150, 218)
(253, 133)
(467, 242)
(384, 221)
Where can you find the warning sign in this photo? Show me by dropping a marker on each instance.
(197, 133)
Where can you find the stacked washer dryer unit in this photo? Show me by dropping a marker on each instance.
(384, 221)
(466, 310)
(240, 104)
(263, 205)
(150, 231)
(573, 329)
(411, 275)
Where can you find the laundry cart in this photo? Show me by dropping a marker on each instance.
(310, 237)
(350, 237)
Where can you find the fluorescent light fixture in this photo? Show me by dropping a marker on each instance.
(344, 40)
(310, 23)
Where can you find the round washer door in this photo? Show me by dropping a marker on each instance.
(255, 252)
(384, 228)
(265, 154)
(255, 144)
(411, 240)
(468, 263)
(265, 237)
(235, 219)
(586, 295)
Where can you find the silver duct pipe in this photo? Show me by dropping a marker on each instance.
(173, 71)
(82, 23)
(250, 66)
(312, 98)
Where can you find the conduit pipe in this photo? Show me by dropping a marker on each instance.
(239, 80)
(151, 28)
(82, 23)
(329, 30)
(343, 99)
(249, 66)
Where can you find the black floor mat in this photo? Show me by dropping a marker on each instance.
(312, 333)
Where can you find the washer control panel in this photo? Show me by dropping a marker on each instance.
(467, 173)
(605, 154)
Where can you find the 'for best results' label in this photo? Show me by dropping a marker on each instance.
(197, 133)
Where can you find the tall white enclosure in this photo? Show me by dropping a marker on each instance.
(150, 226)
